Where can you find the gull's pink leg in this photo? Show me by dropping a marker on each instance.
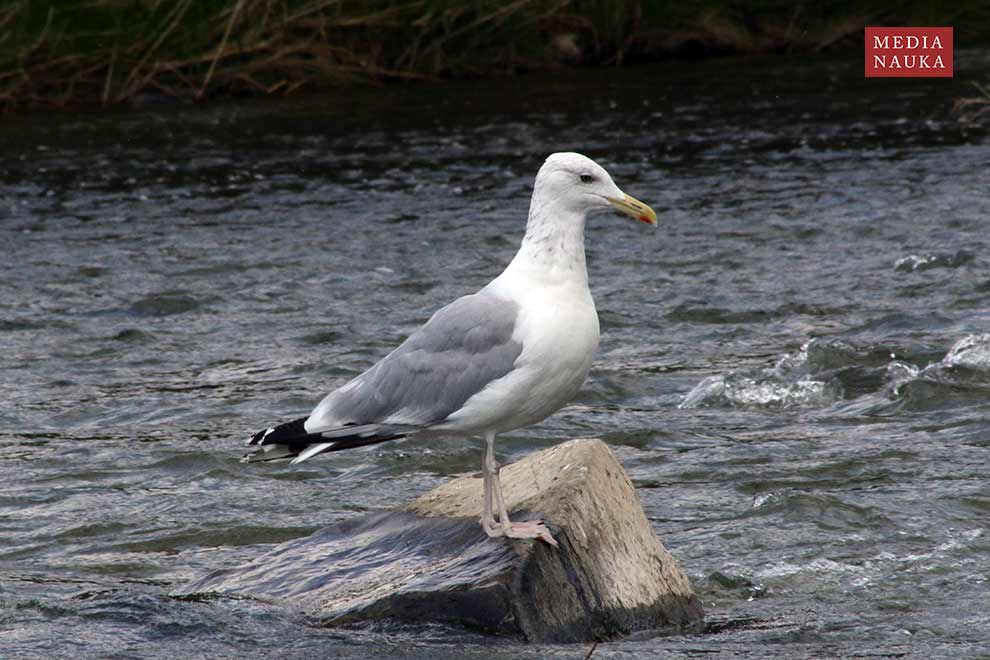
(487, 517)
(531, 529)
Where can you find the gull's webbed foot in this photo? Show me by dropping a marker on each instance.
(531, 529)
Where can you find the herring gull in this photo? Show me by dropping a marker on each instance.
(500, 359)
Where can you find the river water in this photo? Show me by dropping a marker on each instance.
(794, 368)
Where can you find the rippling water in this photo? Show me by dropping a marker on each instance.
(795, 369)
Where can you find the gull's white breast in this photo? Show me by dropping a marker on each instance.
(557, 326)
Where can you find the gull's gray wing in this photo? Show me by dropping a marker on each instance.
(461, 349)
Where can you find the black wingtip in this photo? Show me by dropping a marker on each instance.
(282, 434)
(290, 439)
(259, 436)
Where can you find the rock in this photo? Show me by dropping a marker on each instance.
(432, 562)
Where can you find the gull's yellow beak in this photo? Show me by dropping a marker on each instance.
(635, 208)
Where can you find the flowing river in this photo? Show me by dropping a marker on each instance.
(794, 367)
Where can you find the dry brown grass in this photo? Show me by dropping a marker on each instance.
(245, 46)
(974, 109)
(73, 53)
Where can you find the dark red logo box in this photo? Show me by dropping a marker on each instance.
(908, 52)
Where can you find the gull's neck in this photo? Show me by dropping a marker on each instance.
(553, 248)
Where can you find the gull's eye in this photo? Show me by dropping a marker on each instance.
(587, 178)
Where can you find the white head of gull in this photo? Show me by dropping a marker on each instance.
(500, 359)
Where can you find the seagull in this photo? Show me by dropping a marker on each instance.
(500, 359)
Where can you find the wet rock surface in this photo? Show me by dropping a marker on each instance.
(432, 562)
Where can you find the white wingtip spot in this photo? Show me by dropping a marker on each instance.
(260, 440)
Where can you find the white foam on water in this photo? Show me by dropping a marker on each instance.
(972, 351)
(788, 384)
(801, 379)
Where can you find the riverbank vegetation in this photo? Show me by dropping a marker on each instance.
(77, 53)
(973, 109)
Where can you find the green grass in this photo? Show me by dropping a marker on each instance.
(71, 53)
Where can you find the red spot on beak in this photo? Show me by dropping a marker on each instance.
(644, 220)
